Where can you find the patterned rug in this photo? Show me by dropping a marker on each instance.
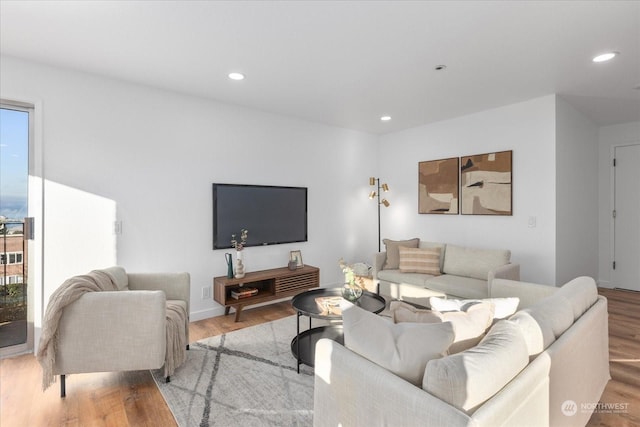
(244, 378)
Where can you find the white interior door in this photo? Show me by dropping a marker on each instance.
(626, 255)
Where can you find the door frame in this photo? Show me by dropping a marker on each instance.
(35, 204)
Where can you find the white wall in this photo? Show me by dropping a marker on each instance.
(608, 138)
(576, 194)
(527, 128)
(154, 154)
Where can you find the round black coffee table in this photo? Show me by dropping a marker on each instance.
(317, 303)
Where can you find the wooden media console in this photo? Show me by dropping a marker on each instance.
(273, 284)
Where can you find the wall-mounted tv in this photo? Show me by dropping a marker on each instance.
(272, 214)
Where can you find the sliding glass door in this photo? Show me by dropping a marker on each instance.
(15, 135)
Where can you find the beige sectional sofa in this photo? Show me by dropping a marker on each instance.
(546, 365)
(463, 272)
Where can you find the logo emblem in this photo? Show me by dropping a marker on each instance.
(569, 408)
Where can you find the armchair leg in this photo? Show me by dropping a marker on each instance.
(168, 379)
(63, 391)
(187, 346)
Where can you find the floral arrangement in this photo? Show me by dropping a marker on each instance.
(243, 239)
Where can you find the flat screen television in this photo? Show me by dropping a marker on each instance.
(272, 214)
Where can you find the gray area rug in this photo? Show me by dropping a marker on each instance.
(244, 378)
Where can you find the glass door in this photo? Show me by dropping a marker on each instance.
(15, 125)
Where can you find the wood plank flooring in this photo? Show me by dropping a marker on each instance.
(132, 399)
(624, 361)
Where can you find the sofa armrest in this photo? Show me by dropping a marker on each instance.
(378, 261)
(175, 285)
(350, 390)
(112, 331)
(529, 293)
(509, 271)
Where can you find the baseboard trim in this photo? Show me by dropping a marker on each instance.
(604, 284)
(206, 314)
(627, 290)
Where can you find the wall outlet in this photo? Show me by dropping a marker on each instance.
(206, 292)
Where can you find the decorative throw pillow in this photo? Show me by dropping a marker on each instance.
(504, 307)
(393, 254)
(404, 349)
(469, 326)
(417, 260)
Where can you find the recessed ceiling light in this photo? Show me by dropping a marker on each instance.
(605, 57)
(236, 76)
(385, 118)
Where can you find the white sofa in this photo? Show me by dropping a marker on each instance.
(463, 272)
(566, 368)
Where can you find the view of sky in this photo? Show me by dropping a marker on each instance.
(14, 163)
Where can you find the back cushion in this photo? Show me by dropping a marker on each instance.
(542, 323)
(468, 379)
(403, 348)
(581, 293)
(393, 254)
(476, 263)
(119, 277)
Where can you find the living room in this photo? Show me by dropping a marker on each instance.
(133, 152)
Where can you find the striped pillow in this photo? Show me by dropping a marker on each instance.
(420, 260)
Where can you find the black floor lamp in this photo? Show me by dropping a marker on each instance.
(384, 187)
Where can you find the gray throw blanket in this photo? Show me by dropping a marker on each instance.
(68, 292)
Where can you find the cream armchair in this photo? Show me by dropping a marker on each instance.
(123, 330)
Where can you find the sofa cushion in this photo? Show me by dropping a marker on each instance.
(433, 245)
(119, 277)
(581, 293)
(542, 323)
(458, 286)
(404, 348)
(418, 260)
(393, 255)
(469, 325)
(471, 262)
(504, 307)
(468, 379)
(396, 276)
(535, 337)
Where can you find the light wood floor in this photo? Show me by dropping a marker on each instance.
(132, 399)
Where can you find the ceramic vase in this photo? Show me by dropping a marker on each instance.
(239, 269)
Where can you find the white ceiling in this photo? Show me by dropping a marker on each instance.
(348, 63)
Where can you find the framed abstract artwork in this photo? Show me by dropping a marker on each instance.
(486, 184)
(438, 186)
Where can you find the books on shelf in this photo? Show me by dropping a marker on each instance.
(243, 292)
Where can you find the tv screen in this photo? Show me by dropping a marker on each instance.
(271, 214)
